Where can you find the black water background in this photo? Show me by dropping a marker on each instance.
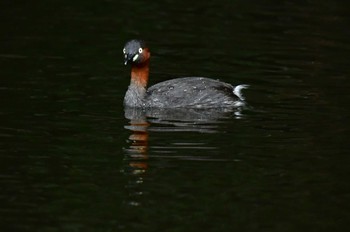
(65, 147)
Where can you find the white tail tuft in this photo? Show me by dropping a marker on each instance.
(237, 91)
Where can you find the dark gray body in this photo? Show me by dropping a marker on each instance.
(191, 92)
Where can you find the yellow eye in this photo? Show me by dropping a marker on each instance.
(140, 50)
(124, 51)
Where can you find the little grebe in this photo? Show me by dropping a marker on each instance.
(190, 92)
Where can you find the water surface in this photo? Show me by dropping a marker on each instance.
(73, 160)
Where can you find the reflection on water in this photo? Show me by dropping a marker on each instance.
(159, 120)
(136, 156)
(199, 120)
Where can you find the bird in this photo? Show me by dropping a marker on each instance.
(183, 92)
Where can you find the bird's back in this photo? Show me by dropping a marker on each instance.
(197, 92)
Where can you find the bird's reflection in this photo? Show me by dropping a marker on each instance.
(137, 151)
(181, 116)
(142, 121)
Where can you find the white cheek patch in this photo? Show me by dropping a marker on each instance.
(135, 57)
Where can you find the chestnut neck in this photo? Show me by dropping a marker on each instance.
(139, 74)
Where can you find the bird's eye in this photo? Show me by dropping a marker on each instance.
(124, 51)
(140, 50)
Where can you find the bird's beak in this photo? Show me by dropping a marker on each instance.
(130, 58)
(126, 59)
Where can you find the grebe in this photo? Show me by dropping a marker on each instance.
(185, 92)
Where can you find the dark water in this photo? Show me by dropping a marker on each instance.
(71, 159)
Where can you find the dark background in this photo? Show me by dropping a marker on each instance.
(71, 160)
